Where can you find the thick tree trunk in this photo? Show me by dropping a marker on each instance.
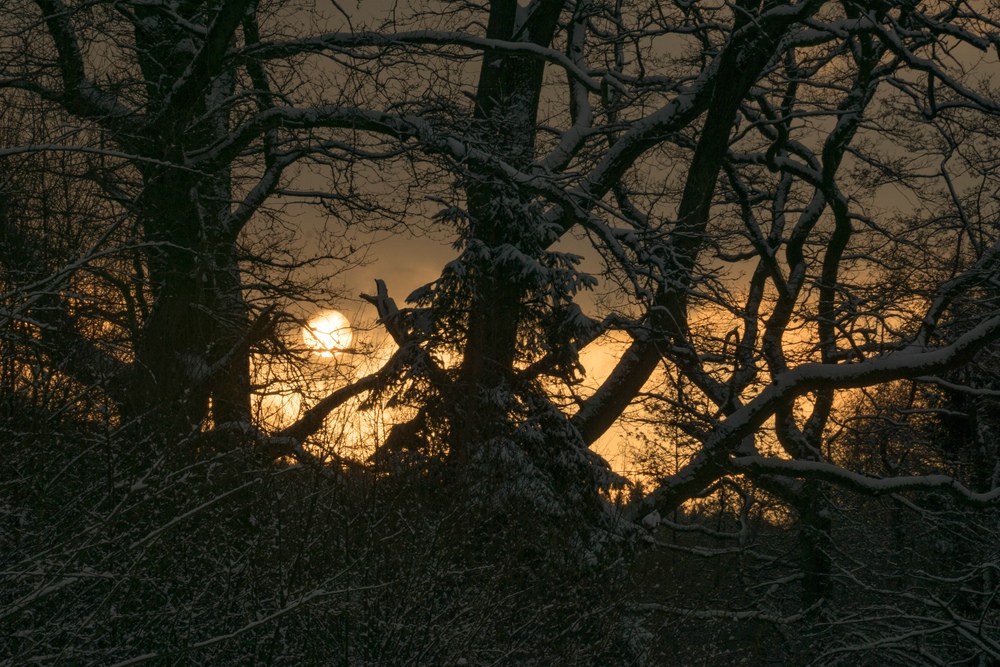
(506, 109)
(191, 351)
(815, 544)
(192, 355)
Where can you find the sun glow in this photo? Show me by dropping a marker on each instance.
(327, 334)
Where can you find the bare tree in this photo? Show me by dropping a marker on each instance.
(789, 203)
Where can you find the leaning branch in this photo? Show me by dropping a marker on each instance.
(712, 460)
(288, 441)
(229, 148)
(872, 486)
(336, 41)
(205, 63)
(80, 95)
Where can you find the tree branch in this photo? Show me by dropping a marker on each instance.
(709, 464)
(872, 486)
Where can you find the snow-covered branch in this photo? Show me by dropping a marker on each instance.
(336, 41)
(710, 462)
(864, 484)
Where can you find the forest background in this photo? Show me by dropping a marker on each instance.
(748, 252)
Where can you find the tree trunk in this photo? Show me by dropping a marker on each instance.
(506, 110)
(192, 356)
(815, 542)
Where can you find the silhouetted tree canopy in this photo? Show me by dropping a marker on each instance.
(779, 219)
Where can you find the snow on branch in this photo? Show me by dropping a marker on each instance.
(205, 62)
(301, 601)
(272, 50)
(712, 460)
(875, 486)
(227, 149)
(80, 95)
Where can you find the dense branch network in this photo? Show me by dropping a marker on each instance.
(758, 147)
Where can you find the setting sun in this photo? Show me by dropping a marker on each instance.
(328, 333)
